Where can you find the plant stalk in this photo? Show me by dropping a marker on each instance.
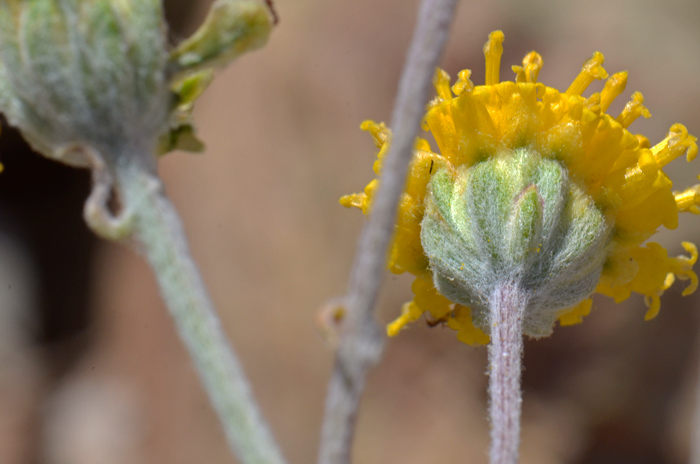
(161, 239)
(508, 303)
(360, 339)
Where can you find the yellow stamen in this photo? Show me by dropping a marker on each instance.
(677, 142)
(653, 302)
(682, 267)
(528, 72)
(633, 110)
(592, 69)
(356, 200)
(613, 88)
(410, 312)
(688, 200)
(593, 104)
(379, 132)
(441, 81)
(575, 315)
(493, 51)
(463, 83)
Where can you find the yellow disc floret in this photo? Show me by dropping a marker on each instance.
(620, 172)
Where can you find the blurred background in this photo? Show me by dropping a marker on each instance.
(92, 372)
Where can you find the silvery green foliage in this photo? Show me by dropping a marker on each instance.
(93, 81)
(80, 77)
(230, 29)
(516, 217)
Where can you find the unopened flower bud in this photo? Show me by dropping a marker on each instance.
(93, 82)
(516, 217)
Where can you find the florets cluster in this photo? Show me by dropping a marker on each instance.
(536, 186)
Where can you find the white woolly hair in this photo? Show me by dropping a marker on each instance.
(85, 74)
(516, 217)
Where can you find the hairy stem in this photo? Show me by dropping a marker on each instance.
(695, 437)
(361, 341)
(505, 365)
(160, 237)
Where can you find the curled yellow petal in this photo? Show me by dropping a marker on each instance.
(409, 312)
(576, 314)
(463, 84)
(677, 142)
(467, 332)
(592, 70)
(441, 81)
(653, 302)
(688, 200)
(528, 72)
(633, 110)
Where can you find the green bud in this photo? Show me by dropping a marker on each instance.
(90, 82)
(231, 28)
(515, 217)
(79, 76)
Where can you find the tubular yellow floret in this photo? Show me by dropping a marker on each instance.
(493, 51)
(688, 200)
(379, 132)
(463, 84)
(614, 86)
(682, 267)
(528, 72)
(592, 70)
(653, 302)
(381, 136)
(441, 81)
(355, 200)
(677, 142)
(410, 312)
(633, 109)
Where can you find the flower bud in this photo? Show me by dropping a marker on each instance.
(93, 82)
(515, 217)
(84, 73)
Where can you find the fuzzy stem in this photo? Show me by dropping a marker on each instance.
(505, 365)
(695, 437)
(160, 237)
(361, 341)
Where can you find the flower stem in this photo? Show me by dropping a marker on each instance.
(160, 237)
(505, 365)
(695, 437)
(361, 341)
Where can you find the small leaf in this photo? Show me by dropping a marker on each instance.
(231, 28)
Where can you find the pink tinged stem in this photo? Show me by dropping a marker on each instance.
(508, 303)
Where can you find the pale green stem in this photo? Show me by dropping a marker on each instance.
(507, 305)
(695, 437)
(361, 341)
(160, 237)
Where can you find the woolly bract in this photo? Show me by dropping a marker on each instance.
(608, 186)
(90, 82)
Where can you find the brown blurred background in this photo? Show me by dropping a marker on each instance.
(92, 372)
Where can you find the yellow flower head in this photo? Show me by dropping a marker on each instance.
(608, 177)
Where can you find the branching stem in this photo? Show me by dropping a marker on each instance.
(361, 341)
(160, 237)
(505, 366)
